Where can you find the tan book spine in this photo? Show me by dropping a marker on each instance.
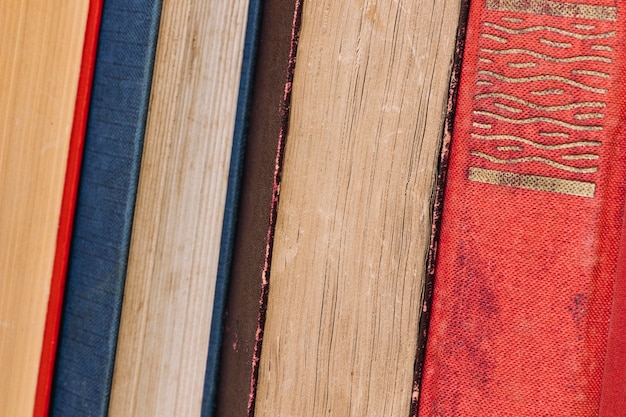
(166, 316)
(41, 46)
(353, 225)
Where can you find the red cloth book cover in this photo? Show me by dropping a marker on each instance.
(527, 315)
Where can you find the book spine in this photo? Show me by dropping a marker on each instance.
(278, 169)
(437, 204)
(253, 219)
(229, 224)
(104, 212)
(173, 259)
(68, 204)
(529, 273)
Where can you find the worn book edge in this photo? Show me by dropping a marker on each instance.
(285, 110)
(229, 225)
(53, 317)
(437, 204)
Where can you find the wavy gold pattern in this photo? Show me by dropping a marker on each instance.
(602, 48)
(554, 134)
(549, 58)
(583, 27)
(554, 44)
(536, 106)
(494, 37)
(537, 119)
(547, 92)
(481, 125)
(538, 145)
(563, 64)
(507, 108)
(585, 116)
(534, 158)
(591, 73)
(580, 36)
(588, 156)
(544, 77)
(522, 64)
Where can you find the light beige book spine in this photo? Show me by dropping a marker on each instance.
(168, 299)
(41, 46)
(353, 227)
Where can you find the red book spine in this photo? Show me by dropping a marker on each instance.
(526, 317)
(53, 318)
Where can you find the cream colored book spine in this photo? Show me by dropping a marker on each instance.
(353, 226)
(168, 299)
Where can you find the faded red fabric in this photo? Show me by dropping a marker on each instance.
(529, 253)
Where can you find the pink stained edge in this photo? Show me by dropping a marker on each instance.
(282, 137)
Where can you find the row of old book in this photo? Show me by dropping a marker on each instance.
(288, 208)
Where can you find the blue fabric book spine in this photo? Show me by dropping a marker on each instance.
(231, 207)
(105, 206)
